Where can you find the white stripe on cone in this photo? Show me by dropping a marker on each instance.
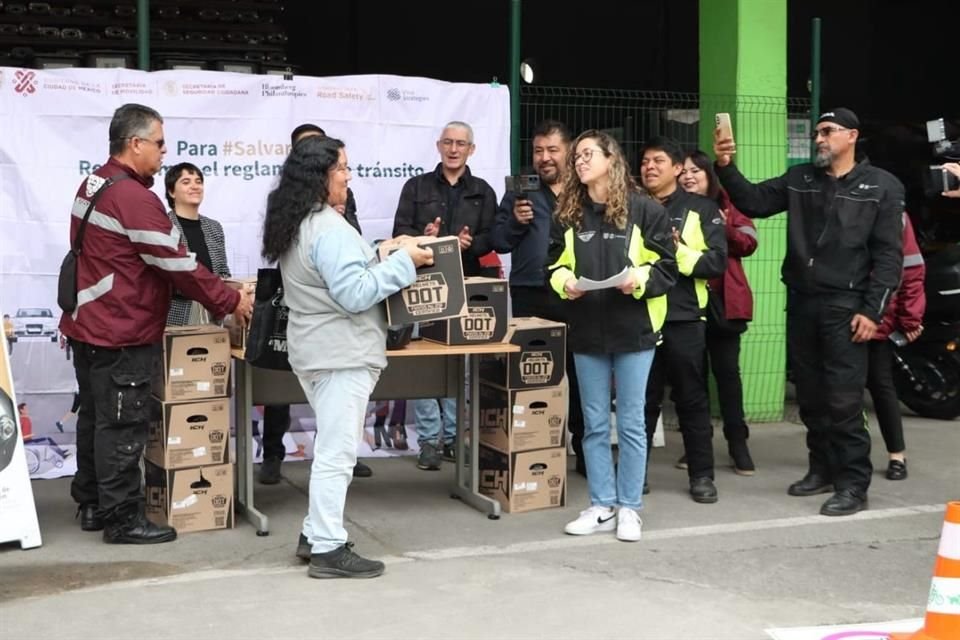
(944, 596)
(950, 541)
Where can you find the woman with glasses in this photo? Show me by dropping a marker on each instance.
(729, 309)
(337, 332)
(610, 229)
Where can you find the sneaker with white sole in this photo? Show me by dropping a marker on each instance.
(592, 520)
(628, 524)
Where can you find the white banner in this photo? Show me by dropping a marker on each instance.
(236, 128)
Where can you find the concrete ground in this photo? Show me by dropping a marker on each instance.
(757, 559)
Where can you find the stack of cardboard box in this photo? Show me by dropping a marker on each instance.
(189, 478)
(523, 410)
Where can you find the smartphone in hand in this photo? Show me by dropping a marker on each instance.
(723, 123)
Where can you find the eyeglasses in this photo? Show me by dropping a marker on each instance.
(459, 144)
(161, 143)
(826, 132)
(586, 155)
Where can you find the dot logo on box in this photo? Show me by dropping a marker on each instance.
(554, 482)
(219, 501)
(479, 323)
(219, 369)
(428, 295)
(216, 437)
(536, 367)
(555, 421)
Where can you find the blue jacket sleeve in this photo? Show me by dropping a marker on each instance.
(354, 283)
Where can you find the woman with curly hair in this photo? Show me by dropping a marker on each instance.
(336, 331)
(611, 229)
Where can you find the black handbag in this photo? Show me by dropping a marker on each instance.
(267, 339)
(717, 317)
(67, 281)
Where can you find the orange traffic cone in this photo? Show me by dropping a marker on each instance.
(943, 604)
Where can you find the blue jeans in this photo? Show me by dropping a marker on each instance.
(630, 370)
(427, 415)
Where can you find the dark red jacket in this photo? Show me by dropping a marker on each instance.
(741, 242)
(131, 261)
(906, 308)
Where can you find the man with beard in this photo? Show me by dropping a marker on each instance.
(843, 262)
(524, 228)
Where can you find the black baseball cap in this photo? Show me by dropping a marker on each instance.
(841, 116)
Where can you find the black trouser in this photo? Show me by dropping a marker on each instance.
(884, 394)
(543, 302)
(723, 348)
(112, 426)
(681, 361)
(830, 372)
(276, 422)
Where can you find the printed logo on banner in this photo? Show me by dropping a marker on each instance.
(405, 95)
(25, 82)
(281, 90)
(345, 94)
(171, 88)
(132, 89)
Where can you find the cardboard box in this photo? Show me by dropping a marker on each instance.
(188, 434)
(194, 499)
(541, 361)
(195, 364)
(484, 321)
(238, 334)
(513, 420)
(438, 292)
(524, 481)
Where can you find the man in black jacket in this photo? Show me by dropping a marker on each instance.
(276, 417)
(524, 228)
(701, 241)
(843, 262)
(447, 201)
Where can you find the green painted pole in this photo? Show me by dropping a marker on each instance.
(143, 35)
(814, 80)
(514, 86)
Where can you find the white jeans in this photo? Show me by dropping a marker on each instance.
(339, 401)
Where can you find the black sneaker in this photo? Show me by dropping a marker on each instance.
(361, 470)
(304, 548)
(270, 471)
(342, 562)
(449, 452)
(429, 459)
(740, 454)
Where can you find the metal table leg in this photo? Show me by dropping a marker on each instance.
(467, 483)
(243, 404)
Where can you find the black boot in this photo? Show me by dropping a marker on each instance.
(130, 526)
(740, 454)
(90, 520)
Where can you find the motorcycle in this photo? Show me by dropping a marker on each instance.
(927, 371)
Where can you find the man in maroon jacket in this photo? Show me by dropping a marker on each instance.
(131, 261)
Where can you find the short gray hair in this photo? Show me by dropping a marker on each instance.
(460, 125)
(130, 121)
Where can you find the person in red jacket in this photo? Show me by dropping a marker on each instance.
(131, 261)
(903, 317)
(729, 310)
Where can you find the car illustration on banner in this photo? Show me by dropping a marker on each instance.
(35, 322)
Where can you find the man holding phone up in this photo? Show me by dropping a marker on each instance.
(447, 201)
(843, 263)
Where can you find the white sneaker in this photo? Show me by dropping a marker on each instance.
(628, 524)
(592, 520)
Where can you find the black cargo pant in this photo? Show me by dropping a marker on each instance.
(681, 361)
(276, 422)
(830, 372)
(723, 348)
(543, 302)
(883, 391)
(114, 390)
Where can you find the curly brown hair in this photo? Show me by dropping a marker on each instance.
(574, 197)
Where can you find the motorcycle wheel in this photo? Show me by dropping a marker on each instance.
(939, 375)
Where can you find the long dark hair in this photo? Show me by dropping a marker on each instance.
(303, 183)
(702, 162)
